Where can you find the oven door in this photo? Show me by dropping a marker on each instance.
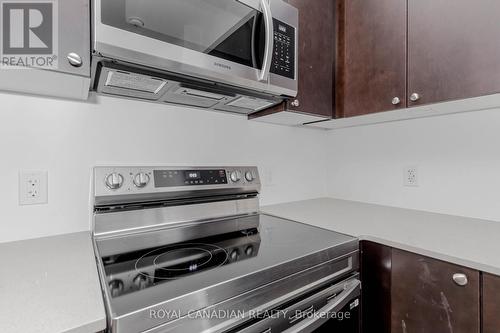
(229, 41)
(340, 314)
(332, 309)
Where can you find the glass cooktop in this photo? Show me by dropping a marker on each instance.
(130, 272)
(153, 275)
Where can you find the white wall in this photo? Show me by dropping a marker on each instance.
(67, 138)
(458, 157)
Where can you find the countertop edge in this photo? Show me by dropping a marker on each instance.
(96, 326)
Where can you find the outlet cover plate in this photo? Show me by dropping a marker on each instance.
(410, 176)
(33, 187)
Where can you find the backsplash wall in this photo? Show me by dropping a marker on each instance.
(67, 138)
(457, 156)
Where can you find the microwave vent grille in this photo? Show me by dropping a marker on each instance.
(125, 80)
(255, 104)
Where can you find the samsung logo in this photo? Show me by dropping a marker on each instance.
(218, 64)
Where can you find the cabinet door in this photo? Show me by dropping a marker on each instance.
(376, 264)
(316, 57)
(453, 49)
(74, 35)
(426, 299)
(371, 56)
(491, 304)
(67, 81)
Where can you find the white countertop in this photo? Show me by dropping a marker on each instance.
(464, 241)
(50, 285)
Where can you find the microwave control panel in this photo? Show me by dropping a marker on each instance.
(284, 50)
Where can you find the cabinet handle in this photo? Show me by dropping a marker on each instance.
(414, 97)
(75, 60)
(460, 279)
(396, 101)
(296, 103)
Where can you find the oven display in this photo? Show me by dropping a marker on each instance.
(193, 175)
(175, 178)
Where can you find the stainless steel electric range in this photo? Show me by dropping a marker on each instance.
(186, 250)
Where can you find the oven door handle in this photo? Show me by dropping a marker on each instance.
(269, 47)
(323, 315)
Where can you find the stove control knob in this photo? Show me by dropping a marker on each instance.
(116, 287)
(141, 180)
(141, 281)
(249, 250)
(235, 176)
(249, 176)
(114, 181)
(235, 254)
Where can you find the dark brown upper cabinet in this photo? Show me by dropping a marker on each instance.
(425, 296)
(316, 59)
(453, 49)
(415, 52)
(371, 59)
(491, 304)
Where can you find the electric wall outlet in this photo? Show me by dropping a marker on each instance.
(33, 187)
(410, 176)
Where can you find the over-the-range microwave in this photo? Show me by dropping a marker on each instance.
(227, 55)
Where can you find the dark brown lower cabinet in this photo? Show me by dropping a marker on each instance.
(425, 298)
(491, 304)
(376, 296)
(405, 292)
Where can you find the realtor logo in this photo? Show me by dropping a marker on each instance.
(29, 33)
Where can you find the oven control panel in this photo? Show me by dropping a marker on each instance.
(174, 178)
(283, 62)
(118, 181)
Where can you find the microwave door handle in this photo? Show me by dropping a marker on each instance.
(254, 41)
(334, 305)
(268, 50)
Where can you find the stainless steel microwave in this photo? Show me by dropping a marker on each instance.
(243, 53)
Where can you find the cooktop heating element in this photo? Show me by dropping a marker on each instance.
(134, 271)
(191, 241)
(173, 262)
